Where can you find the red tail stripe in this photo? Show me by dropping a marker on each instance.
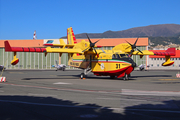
(74, 38)
(164, 53)
(23, 49)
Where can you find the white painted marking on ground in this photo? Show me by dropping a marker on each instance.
(62, 83)
(153, 93)
(31, 94)
(119, 99)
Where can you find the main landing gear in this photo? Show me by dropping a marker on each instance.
(85, 72)
(126, 77)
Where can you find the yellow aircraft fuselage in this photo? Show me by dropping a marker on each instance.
(108, 63)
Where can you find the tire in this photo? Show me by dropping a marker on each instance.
(82, 76)
(63, 69)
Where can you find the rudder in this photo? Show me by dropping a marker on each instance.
(71, 37)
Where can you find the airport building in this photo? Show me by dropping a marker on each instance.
(32, 60)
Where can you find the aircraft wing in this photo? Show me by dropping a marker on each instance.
(168, 52)
(8, 48)
(59, 45)
(62, 50)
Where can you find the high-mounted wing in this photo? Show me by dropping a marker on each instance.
(8, 48)
(169, 52)
(129, 48)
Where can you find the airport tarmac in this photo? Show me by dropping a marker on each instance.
(55, 95)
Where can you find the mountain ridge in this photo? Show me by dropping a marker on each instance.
(160, 30)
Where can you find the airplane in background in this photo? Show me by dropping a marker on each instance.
(2, 67)
(59, 67)
(114, 63)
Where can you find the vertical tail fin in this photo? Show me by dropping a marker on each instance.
(61, 41)
(56, 63)
(71, 37)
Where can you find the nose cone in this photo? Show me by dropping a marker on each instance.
(133, 64)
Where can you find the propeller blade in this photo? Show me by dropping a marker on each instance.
(131, 52)
(96, 52)
(136, 41)
(97, 41)
(88, 38)
(129, 43)
(85, 49)
(139, 51)
(127, 47)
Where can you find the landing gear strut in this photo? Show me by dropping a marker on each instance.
(85, 72)
(126, 77)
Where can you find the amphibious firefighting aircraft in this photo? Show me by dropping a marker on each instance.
(114, 63)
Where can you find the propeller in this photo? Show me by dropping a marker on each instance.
(91, 45)
(133, 47)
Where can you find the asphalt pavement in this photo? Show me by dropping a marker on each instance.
(55, 95)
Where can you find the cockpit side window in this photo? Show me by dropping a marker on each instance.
(127, 55)
(113, 56)
(123, 55)
(117, 55)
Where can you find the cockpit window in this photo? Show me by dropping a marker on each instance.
(120, 55)
(113, 56)
(123, 55)
(117, 56)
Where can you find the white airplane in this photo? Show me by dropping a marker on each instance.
(2, 67)
(59, 67)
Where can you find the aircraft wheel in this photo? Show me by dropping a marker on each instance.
(125, 77)
(82, 75)
(63, 69)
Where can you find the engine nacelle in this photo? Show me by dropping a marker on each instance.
(168, 63)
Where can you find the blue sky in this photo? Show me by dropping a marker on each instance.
(51, 18)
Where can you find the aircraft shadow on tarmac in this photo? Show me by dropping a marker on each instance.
(134, 77)
(46, 108)
(140, 76)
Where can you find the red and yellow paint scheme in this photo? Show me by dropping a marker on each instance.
(115, 62)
